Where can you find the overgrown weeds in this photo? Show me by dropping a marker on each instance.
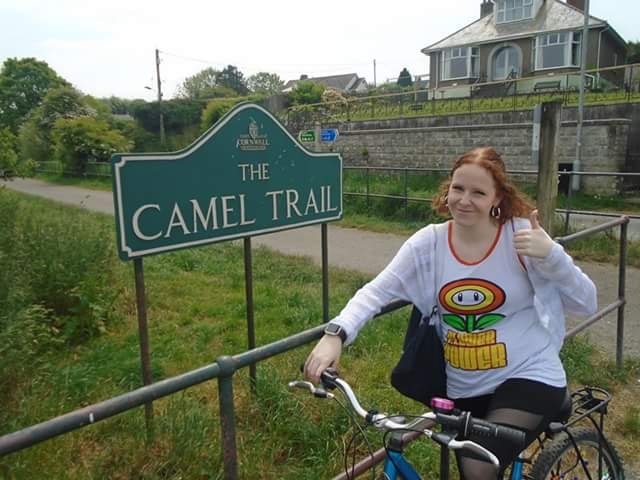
(196, 313)
(55, 280)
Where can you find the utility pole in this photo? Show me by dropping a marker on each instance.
(577, 165)
(162, 138)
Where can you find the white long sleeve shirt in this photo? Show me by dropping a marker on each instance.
(417, 274)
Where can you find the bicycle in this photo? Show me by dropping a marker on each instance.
(568, 451)
(562, 452)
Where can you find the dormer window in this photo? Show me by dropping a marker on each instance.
(460, 62)
(513, 10)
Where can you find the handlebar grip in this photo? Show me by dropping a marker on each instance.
(467, 425)
(487, 429)
(328, 378)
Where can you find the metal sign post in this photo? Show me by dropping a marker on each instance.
(145, 354)
(245, 176)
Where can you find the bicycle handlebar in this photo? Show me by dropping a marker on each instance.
(462, 423)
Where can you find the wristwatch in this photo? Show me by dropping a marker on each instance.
(335, 330)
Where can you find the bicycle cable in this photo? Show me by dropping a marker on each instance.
(392, 430)
(361, 432)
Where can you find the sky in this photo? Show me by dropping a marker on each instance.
(108, 48)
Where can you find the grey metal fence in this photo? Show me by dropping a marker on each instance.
(92, 169)
(623, 86)
(406, 198)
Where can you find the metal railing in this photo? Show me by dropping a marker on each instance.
(521, 94)
(226, 366)
(378, 456)
(92, 169)
(405, 198)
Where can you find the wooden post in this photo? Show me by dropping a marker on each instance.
(550, 117)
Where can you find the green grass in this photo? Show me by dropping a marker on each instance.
(404, 218)
(94, 183)
(196, 313)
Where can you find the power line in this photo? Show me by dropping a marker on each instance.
(314, 68)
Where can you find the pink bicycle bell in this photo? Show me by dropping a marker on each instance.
(442, 405)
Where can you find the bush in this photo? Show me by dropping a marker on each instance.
(35, 140)
(215, 110)
(306, 92)
(8, 155)
(24, 338)
(78, 140)
(57, 270)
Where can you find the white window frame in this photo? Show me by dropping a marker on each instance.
(470, 53)
(517, 10)
(572, 40)
(493, 56)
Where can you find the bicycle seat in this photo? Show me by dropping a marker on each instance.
(562, 416)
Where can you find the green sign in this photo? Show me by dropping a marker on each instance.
(307, 136)
(245, 176)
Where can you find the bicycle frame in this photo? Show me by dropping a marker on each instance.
(395, 464)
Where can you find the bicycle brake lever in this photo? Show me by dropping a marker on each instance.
(317, 392)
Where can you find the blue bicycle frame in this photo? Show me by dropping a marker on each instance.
(396, 466)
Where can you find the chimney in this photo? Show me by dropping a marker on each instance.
(486, 7)
(579, 4)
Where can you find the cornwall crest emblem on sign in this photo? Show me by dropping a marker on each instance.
(253, 140)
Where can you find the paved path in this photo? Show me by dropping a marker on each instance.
(369, 252)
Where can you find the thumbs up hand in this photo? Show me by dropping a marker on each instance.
(533, 242)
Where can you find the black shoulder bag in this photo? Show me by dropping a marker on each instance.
(420, 373)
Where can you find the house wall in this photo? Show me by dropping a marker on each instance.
(611, 55)
(487, 52)
(609, 49)
(436, 141)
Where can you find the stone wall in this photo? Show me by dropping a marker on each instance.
(434, 142)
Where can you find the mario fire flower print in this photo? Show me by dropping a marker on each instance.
(470, 305)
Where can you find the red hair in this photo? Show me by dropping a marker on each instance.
(514, 203)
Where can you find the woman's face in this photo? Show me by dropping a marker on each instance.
(471, 195)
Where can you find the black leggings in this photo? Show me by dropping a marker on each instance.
(524, 404)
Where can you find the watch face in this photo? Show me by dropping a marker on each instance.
(333, 329)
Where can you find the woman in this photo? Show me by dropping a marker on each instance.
(501, 286)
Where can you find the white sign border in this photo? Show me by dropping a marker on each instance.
(132, 254)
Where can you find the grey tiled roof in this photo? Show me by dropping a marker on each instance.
(339, 82)
(554, 15)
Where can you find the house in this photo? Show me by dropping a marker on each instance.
(349, 83)
(536, 39)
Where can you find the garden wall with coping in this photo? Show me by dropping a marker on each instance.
(434, 142)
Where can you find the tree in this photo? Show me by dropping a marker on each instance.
(264, 82)
(23, 85)
(34, 140)
(233, 78)
(215, 109)
(78, 140)
(306, 92)
(197, 86)
(633, 52)
(8, 155)
(404, 79)
(179, 113)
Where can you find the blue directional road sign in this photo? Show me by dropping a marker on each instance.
(329, 135)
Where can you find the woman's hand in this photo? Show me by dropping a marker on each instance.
(533, 242)
(325, 354)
